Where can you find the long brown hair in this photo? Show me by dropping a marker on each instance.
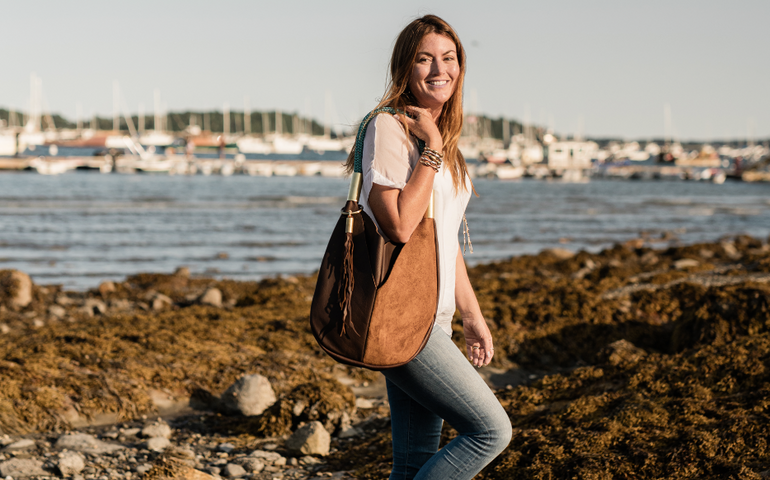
(398, 95)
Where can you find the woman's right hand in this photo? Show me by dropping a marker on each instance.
(422, 125)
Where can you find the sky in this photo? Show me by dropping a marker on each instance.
(600, 68)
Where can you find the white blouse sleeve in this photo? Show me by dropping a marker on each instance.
(387, 157)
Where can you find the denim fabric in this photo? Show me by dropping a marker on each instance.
(441, 384)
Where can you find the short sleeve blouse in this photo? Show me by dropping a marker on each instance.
(389, 157)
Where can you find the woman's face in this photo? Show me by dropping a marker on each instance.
(435, 71)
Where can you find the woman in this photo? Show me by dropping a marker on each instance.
(427, 70)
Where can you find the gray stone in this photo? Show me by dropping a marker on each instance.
(161, 302)
(70, 463)
(249, 395)
(4, 328)
(269, 458)
(686, 263)
(311, 439)
(131, 432)
(107, 287)
(251, 464)
(82, 442)
(157, 429)
(19, 286)
(158, 444)
(22, 468)
(214, 470)
(226, 447)
(182, 272)
(232, 470)
(211, 296)
(19, 445)
(57, 311)
(144, 468)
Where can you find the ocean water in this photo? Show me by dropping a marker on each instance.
(81, 228)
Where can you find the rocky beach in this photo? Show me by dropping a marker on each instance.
(630, 363)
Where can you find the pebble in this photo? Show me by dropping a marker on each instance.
(232, 470)
(161, 302)
(57, 311)
(226, 447)
(94, 306)
(157, 429)
(686, 263)
(250, 395)
(158, 444)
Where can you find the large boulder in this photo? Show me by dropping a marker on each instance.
(250, 395)
(70, 463)
(15, 289)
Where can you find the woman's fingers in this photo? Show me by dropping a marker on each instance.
(480, 354)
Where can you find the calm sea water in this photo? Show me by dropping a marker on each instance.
(80, 228)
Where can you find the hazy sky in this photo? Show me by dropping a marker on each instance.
(612, 63)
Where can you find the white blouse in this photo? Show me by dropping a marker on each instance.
(389, 159)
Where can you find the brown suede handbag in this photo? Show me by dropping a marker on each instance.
(375, 300)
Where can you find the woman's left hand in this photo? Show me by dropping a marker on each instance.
(478, 340)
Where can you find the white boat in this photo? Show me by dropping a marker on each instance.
(227, 169)
(159, 139)
(254, 145)
(287, 146)
(323, 144)
(8, 143)
(46, 166)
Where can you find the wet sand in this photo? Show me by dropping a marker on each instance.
(629, 363)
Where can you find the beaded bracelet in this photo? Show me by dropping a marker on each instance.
(433, 153)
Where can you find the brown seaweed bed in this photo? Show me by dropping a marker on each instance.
(642, 363)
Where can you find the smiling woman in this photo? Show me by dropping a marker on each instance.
(408, 161)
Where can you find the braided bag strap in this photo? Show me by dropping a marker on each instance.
(359, 146)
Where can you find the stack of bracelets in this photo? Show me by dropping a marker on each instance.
(431, 158)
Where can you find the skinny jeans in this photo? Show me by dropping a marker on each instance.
(441, 384)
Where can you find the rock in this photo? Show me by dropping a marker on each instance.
(158, 444)
(298, 408)
(142, 469)
(20, 445)
(82, 442)
(232, 470)
(157, 429)
(249, 395)
(182, 272)
(161, 302)
(211, 296)
(57, 311)
(70, 463)
(226, 447)
(94, 306)
(5, 440)
(364, 403)
(269, 458)
(38, 323)
(622, 352)
(308, 460)
(351, 432)
(730, 250)
(131, 432)
(214, 470)
(64, 300)
(686, 263)
(251, 464)
(560, 253)
(22, 468)
(4, 328)
(105, 288)
(311, 439)
(15, 289)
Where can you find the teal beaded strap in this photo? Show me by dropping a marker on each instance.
(359, 154)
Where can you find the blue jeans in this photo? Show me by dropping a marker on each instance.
(440, 384)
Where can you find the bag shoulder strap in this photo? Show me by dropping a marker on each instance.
(355, 182)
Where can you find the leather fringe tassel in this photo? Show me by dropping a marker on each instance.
(346, 285)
